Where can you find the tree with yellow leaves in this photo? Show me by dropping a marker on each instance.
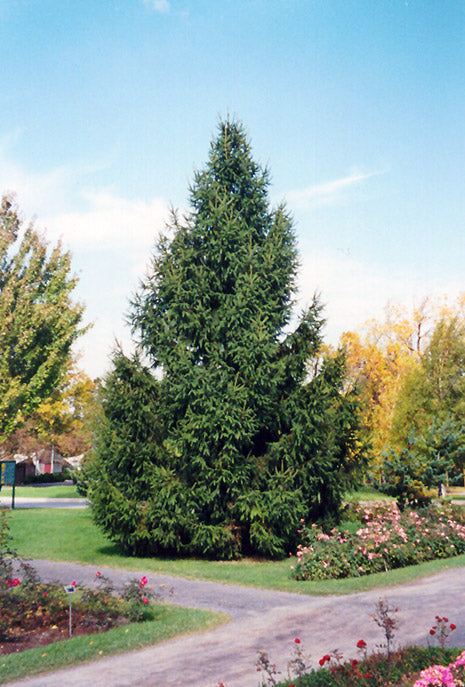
(381, 359)
(62, 421)
(39, 321)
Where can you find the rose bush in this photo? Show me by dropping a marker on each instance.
(28, 604)
(387, 538)
(410, 666)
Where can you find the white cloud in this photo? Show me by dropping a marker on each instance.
(354, 291)
(112, 241)
(162, 6)
(100, 219)
(328, 192)
(108, 218)
(36, 192)
(110, 237)
(42, 193)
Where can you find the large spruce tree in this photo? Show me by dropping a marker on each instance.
(243, 437)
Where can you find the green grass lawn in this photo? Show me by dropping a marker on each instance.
(367, 493)
(70, 535)
(169, 621)
(58, 491)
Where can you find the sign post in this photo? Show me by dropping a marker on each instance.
(69, 589)
(8, 477)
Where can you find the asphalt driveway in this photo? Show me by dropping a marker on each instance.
(260, 620)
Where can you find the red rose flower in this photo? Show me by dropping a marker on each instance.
(297, 640)
(323, 660)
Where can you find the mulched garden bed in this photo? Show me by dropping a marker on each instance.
(35, 632)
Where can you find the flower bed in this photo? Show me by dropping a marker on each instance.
(411, 666)
(35, 613)
(386, 539)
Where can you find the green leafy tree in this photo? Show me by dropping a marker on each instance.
(433, 395)
(247, 440)
(38, 319)
(62, 421)
(424, 462)
(436, 388)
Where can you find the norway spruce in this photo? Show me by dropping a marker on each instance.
(244, 440)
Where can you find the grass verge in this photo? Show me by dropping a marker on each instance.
(367, 494)
(169, 621)
(71, 535)
(58, 491)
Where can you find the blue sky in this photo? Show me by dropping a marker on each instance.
(356, 106)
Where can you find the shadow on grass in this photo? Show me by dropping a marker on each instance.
(110, 550)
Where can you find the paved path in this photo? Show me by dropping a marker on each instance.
(260, 620)
(43, 502)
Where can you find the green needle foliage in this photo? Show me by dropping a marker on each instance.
(242, 433)
(38, 319)
(425, 462)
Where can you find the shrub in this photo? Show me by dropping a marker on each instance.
(386, 540)
(372, 670)
(27, 603)
(49, 477)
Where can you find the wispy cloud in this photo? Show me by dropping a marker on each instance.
(111, 239)
(327, 192)
(108, 219)
(162, 6)
(68, 206)
(355, 290)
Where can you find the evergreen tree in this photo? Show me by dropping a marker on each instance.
(424, 463)
(249, 443)
(38, 320)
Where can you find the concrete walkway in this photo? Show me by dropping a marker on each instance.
(43, 502)
(260, 620)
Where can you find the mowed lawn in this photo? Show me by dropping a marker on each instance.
(71, 535)
(169, 622)
(56, 491)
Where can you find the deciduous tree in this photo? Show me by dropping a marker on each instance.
(380, 359)
(38, 319)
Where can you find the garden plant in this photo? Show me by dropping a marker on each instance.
(34, 613)
(386, 538)
(386, 666)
